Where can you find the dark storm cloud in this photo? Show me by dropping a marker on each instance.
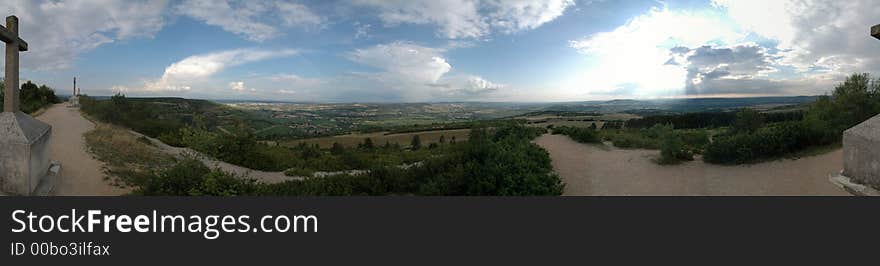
(736, 69)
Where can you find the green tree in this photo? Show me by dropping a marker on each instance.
(337, 149)
(416, 142)
(748, 120)
(368, 144)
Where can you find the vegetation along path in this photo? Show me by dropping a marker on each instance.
(81, 174)
(590, 169)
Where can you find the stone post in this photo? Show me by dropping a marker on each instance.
(11, 101)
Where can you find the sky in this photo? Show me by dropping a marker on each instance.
(446, 50)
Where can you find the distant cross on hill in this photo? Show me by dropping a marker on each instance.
(14, 45)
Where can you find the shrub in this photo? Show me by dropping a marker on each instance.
(673, 150)
(584, 135)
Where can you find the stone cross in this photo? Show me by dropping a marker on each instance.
(25, 168)
(14, 45)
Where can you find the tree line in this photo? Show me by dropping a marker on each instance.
(754, 138)
(32, 97)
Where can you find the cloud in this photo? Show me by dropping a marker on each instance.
(361, 30)
(716, 70)
(237, 85)
(58, 31)
(404, 61)
(467, 86)
(404, 71)
(253, 20)
(516, 15)
(294, 14)
(816, 36)
(634, 57)
(457, 19)
(194, 69)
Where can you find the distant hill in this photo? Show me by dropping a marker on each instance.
(678, 105)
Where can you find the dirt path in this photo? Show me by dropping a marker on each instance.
(81, 174)
(595, 170)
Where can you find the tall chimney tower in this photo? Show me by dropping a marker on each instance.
(74, 86)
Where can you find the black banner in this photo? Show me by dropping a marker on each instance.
(426, 230)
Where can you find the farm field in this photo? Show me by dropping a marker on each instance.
(380, 138)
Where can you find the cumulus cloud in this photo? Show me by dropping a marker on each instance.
(516, 15)
(467, 86)
(469, 18)
(406, 72)
(828, 36)
(716, 70)
(237, 85)
(58, 31)
(182, 74)
(253, 20)
(405, 61)
(634, 57)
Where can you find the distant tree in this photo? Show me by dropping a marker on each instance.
(368, 144)
(337, 149)
(416, 142)
(748, 120)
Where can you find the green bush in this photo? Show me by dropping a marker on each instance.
(673, 150)
(584, 135)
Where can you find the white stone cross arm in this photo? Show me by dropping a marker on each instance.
(11, 36)
(875, 31)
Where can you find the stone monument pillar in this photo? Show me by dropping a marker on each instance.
(74, 98)
(861, 154)
(24, 141)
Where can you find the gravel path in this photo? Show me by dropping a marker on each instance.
(596, 170)
(81, 174)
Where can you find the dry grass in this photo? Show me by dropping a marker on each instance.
(128, 159)
(380, 138)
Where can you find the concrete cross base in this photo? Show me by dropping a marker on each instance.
(24, 153)
(46, 187)
(861, 158)
(857, 189)
(47, 184)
